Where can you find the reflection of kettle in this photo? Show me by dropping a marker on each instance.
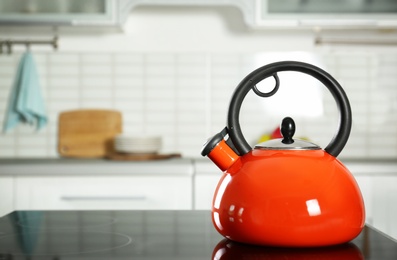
(227, 250)
(284, 192)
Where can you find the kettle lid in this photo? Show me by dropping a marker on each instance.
(287, 142)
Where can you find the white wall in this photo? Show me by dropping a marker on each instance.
(172, 71)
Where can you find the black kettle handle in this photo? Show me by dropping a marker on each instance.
(249, 82)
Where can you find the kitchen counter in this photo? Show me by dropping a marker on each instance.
(171, 184)
(185, 166)
(69, 166)
(154, 235)
(67, 184)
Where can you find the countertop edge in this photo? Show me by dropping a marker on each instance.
(173, 166)
(73, 167)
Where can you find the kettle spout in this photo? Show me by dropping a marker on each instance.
(219, 151)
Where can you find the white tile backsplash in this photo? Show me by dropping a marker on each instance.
(104, 70)
(7, 69)
(96, 58)
(96, 81)
(63, 70)
(103, 103)
(128, 69)
(63, 58)
(63, 93)
(185, 96)
(128, 58)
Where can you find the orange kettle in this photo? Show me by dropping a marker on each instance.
(284, 192)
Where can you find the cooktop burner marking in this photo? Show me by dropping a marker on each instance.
(23, 242)
(52, 223)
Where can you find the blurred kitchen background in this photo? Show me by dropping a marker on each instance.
(170, 67)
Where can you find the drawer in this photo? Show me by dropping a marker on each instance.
(120, 192)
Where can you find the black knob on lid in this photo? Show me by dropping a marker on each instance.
(287, 130)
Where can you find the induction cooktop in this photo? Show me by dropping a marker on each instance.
(154, 235)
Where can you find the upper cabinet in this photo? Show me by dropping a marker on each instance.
(256, 13)
(325, 13)
(59, 12)
(95, 12)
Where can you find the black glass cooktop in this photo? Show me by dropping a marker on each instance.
(153, 235)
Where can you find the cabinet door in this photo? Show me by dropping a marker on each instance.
(66, 12)
(365, 183)
(135, 192)
(384, 204)
(380, 199)
(6, 195)
(204, 189)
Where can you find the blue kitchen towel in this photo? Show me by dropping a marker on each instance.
(25, 104)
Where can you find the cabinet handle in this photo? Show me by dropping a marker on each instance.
(70, 198)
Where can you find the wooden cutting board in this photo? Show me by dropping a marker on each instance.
(88, 133)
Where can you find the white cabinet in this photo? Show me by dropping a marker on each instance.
(384, 204)
(205, 185)
(365, 184)
(378, 184)
(6, 194)
(103, 192)
(96, 12)
(326, 14)
(66, 12)
(62, 184)
(206, 178)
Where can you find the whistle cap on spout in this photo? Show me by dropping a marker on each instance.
(219, 151)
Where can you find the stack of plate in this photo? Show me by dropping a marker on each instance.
(137, 144)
